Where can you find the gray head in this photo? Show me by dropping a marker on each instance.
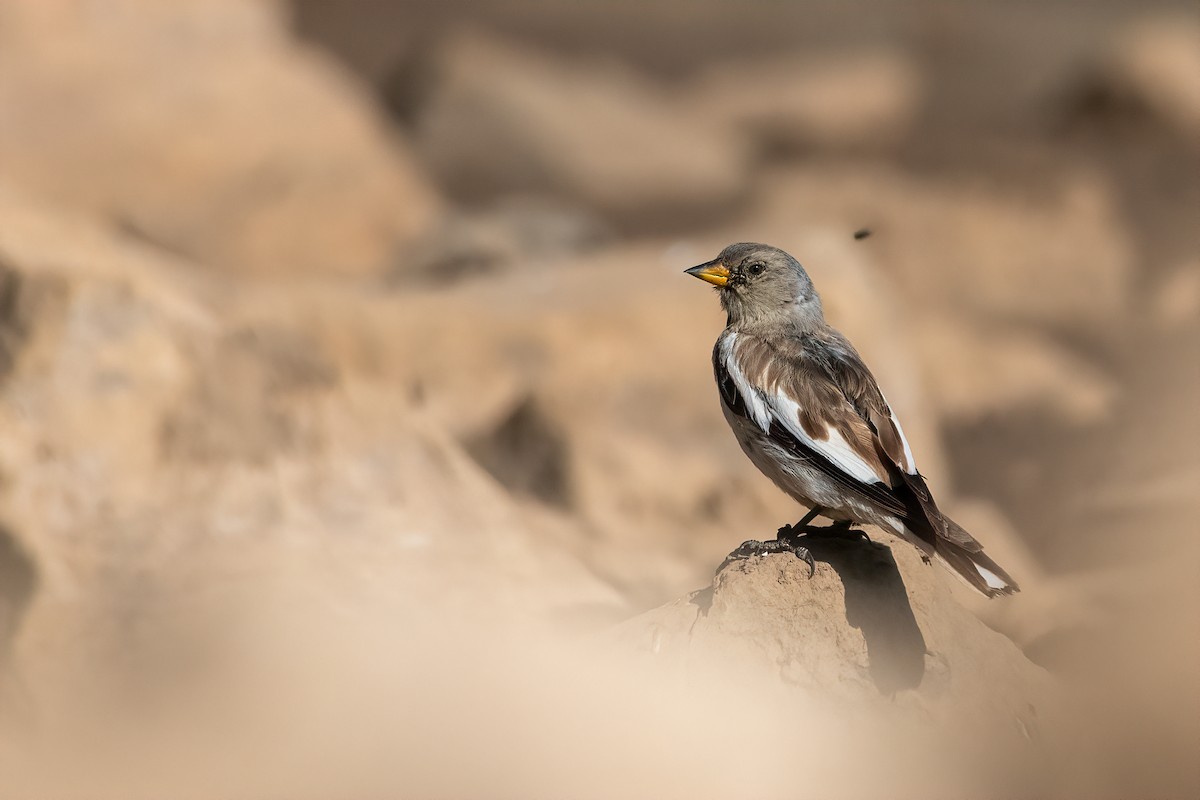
(758, 282)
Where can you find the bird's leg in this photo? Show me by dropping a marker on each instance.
(802, 525)
(812, 514)
(791, 533)
(840, 528)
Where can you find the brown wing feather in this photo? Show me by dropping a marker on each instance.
(846, 368)
(835, 389)
(880, 494)
(786, 367)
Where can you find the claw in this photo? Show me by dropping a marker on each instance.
(804, 555)
(785, 543)
(751, 548)
(789, 533)
(861, 533)
(788, 539)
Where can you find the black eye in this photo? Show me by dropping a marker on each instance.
(756, 268)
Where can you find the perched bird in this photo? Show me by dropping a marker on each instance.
(809, 414)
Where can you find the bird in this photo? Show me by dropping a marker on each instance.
(810, 415)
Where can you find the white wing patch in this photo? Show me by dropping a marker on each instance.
(993, 580)
(766, 407)
(908, 455)
(754, 400)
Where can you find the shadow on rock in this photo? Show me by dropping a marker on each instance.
(877, 605)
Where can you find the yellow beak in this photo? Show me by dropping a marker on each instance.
(713, 272)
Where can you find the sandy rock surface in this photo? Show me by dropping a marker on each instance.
(874, 638)
(872, 626)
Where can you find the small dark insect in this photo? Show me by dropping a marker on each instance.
(861, 234)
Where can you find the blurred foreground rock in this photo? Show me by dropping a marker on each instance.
(873, 628)
(201, 126)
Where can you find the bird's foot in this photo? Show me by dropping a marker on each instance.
(835, 530)
(783, 544)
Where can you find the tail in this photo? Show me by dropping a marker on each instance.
(959, 551)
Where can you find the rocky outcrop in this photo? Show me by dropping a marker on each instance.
(873, 628)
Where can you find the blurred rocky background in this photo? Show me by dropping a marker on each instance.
(349, 387)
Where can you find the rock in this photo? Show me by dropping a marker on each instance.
(1146, 71)
(976, 371)
(493, 119)
(1175, 299)
(396, 692)
(239, 406)
(208, 132)
(528, 454)
(1159, 59)
(518, 233)
(168, 471)
(851, 99)
(874, 628)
